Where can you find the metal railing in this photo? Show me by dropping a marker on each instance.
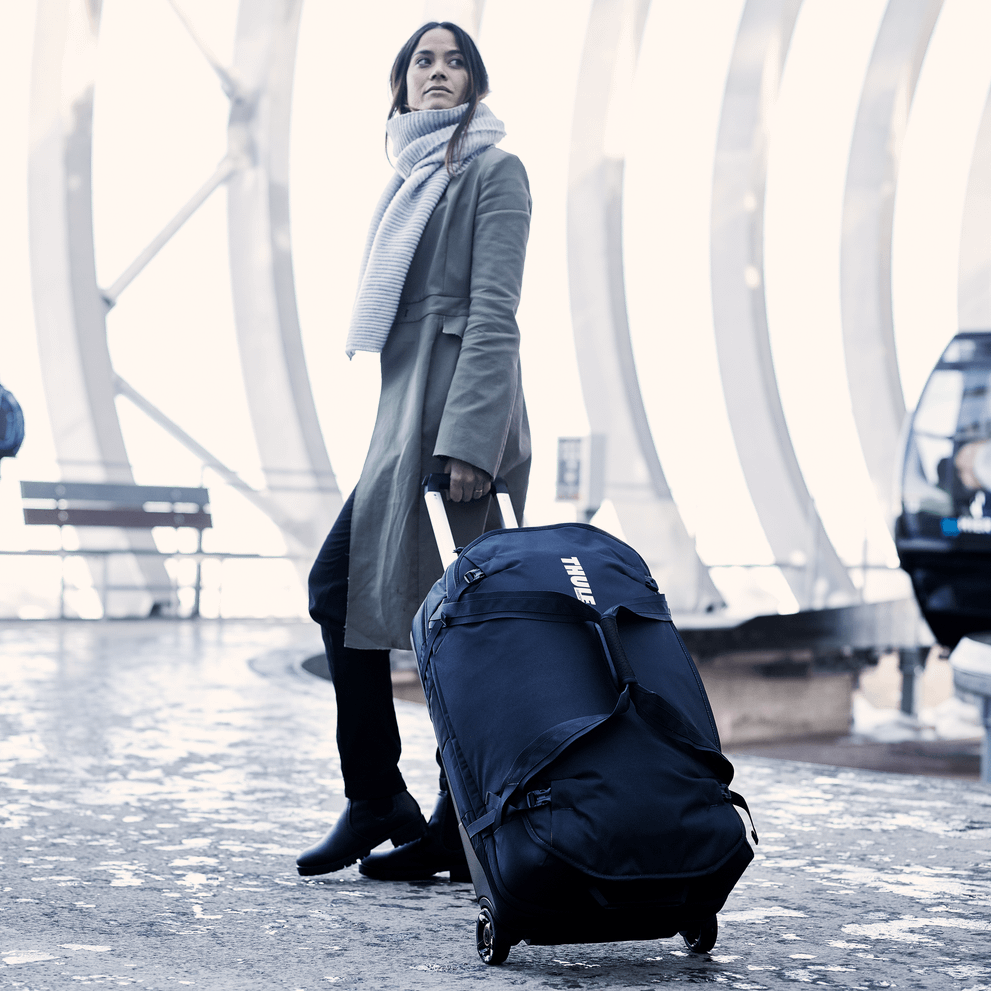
(104, 587)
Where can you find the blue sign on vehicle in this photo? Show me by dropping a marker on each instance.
(965, 524)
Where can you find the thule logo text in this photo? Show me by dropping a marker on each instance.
(577, 575)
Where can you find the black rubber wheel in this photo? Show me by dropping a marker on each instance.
(702, 938)
(492, 948)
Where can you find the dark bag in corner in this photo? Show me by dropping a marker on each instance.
(578, 743)
(11, 424)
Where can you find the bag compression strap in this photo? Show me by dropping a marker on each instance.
(652, 708)
(556, 607)
(535, 757)
(550, 607)
(656, 711)
(662, 716)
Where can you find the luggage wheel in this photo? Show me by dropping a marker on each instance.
(493, 947)
(701, 939)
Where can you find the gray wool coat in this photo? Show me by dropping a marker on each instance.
(451, 388)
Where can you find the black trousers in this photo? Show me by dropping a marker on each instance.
(367, 732)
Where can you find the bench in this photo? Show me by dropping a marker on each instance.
(115, 504)
(119, 505)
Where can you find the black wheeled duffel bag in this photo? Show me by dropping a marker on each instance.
(578, 743)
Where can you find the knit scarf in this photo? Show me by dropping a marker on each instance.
(419, 140)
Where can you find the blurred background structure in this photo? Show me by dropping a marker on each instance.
(757, 225)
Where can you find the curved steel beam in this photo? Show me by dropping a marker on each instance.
(868, 218)
(260, 500)
(783, 503)
(70, 315)
(634, 480)
(294, 459)
(974, 278)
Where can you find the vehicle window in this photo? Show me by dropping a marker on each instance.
(939, 407)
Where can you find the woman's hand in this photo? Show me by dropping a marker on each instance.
(467, 481)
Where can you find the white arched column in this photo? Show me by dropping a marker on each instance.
(784, 506)
(297, 471)
(70, 313)
(634, 479)
(868, 218)
(301, 495)
(974, 279)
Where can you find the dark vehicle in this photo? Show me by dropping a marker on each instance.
(943, 535)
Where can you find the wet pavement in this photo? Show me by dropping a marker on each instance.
(157, 779)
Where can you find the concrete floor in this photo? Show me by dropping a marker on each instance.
(157, 779)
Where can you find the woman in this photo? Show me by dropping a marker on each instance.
(438, 295)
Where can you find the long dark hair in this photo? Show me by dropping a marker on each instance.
(478, 82)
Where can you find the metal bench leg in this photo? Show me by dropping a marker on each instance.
(986, 745)
(199, 564)
(61, 592)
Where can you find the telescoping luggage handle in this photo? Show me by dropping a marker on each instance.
(433, 489)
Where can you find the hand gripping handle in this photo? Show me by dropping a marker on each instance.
(433, 489)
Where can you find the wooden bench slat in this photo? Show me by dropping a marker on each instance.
(130, 518)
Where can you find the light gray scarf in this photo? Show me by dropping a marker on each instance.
(419, 141)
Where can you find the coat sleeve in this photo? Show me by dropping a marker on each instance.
(479, 410)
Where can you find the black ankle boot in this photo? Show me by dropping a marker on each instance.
(439, 849)
(359, 830)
